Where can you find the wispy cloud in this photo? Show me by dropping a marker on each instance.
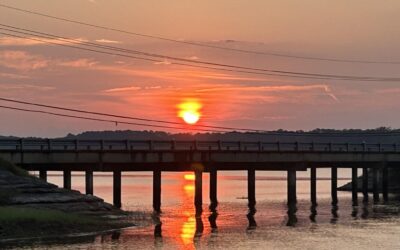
(25, 87)
(122, 89)
(273, 88)
(33, 41)
(21, 60)
(107, 41)
(79, 63)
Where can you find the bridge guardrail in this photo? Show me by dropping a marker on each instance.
(158, 145)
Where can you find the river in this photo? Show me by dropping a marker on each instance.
(231, 226)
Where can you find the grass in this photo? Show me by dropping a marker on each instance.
(15, 214)
(16, 222)
(5, 165)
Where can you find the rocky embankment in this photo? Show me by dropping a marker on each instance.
(32, 192)
(30, 207)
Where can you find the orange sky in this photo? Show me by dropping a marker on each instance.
(365, 30)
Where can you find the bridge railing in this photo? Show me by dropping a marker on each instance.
(147, 145)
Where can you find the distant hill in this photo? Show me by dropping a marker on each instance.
(383, 135)
(378, 135)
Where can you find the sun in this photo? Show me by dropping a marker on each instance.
(189, 111)
(190, 117)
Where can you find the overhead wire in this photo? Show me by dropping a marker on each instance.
(121, 116)
(108, 120)
(283, 55)
(187, 62)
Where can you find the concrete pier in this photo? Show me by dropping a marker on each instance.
(354, 186)
(291, 187)
(365, 185)
(313, 185)
(89, 182)
(198, 190)
(251, 187)
(375, 188)
(43, 175)
(334, 186)
(213, 189)
(385, 184)
(117, 188)
(157, 190)
(67, 179)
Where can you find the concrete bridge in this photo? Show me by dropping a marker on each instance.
(205, 156)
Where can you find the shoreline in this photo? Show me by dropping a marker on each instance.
(33, 210)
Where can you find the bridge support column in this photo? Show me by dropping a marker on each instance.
(43, 175)
(89, 182)
(365, 184)
(334, 186)
(117, 188)
(375, 188)
(67, 179)
(157, 190)
(291, 187)
(198, 190)
(313, 186)
(354, 186)
(385, 184)
(213, 189)
(251, 187)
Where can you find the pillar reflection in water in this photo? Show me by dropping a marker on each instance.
(292, 218)
(335, 214)
(313, 215)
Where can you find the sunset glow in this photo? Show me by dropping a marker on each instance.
(189, 111)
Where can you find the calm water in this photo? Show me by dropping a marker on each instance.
(231, 227)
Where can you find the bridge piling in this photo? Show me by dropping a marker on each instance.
(385, 183)
(251, 187)
(365, 184)
(67, 179)
(313, 186)
(43, 175)
(354, 186)
(198, 190)
(117, 188)
(291, 188)
(334, 186)
(375, 181)
(157, 190)
(89, 182)
(213, 189)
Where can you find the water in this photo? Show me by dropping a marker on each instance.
(232, 226)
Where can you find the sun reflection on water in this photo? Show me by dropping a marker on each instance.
(188, 227)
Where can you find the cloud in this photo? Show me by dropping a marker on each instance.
(33, 41)
(21, 60)
(79, 63)
(123, 89)
(107, 41)
(13, 76)
(25, 87)
(193, 58)
(275, 88)
(165, 62)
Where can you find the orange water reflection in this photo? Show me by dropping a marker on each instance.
(188, 227)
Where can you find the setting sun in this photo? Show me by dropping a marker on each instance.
(189, 111)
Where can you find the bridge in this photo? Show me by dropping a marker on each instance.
(119, 156)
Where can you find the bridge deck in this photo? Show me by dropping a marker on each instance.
(127, 155)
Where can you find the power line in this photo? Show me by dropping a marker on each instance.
(120, 116)
(232, 68)
(116, 122)
(338, 60)
(214, 129)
